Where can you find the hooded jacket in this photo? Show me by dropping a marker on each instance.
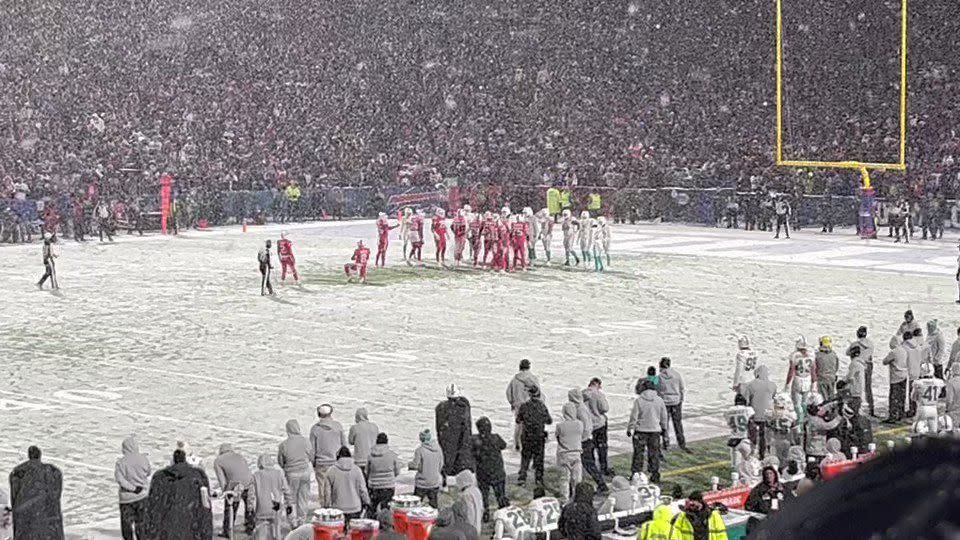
(748, 466)
(583, 413)
(598, 406)
(936, 345)
(454, 424)
(269, 486)
(649, 414)
(621, 495)
(856, 377)
(295, 454)
(231, 469)
(326, 438)
(535, 418)
(488, 450)
(35, 490)
(518, 391)
(472, 498)
(132, 471)
(569, 431)
(671, 386)
(176, 507)
(896, 359)
(954, 354)
(578, 519)
(428, 463)
(866, 349)
(383, 467)
(660, 526)
(827, 363)
(760, 392)
(363, 435)
(348, 491)
(914, 358)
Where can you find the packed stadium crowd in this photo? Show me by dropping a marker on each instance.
(638, 94)
(780, 441)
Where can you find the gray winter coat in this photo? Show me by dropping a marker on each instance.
(383, 467)
(866, 349)
(269, 485)
(348, 491)
(569, 431)
(817, 429)
(518, 391)
(855, 377)
(583, 413)
(326, 438)
(649, 414)
(760, 392)
(827, 364)
(596, 402)
(295, 454)
(671, 386)
(231, 469)
(471, 497)
(132, 471)
(363, 435)
(937, 347)
(428, 462)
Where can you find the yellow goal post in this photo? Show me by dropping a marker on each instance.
(863, 167)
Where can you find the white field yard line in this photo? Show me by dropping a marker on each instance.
(122, 412)
(55, 459)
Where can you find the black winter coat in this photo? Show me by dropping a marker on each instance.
(453, 434)
(35, 489)
(176, 508)
(488, 450)
(578, 519)
(535, 418)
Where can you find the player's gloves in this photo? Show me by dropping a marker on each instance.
(289, 510)
(138, 490)
(276, 506)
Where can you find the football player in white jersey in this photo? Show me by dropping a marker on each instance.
(738, 420)
(927, 392)
(746, 363)
(801, 377)
(511, 522)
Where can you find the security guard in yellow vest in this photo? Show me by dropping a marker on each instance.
(565, 200)
(666, 526)
(594, 204)
(553, 202)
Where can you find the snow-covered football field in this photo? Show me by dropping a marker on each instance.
(169, 338)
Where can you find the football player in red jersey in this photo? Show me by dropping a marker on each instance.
(439, 228)
(416, 224)
(287, 260)
(504, 233)
(518, 239)
(360, 257)
(383, 240)
(459, 228)
(491, 234)
(474, 234)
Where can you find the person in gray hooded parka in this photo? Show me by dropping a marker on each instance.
(233, 474)
(518, 393)
(569, 448)
(363, 435)
(586, 457)
(269, 496)
(132, 473)
(295, 457)
(471, 497)
(348, 489)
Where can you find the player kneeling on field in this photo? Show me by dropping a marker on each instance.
(360, 257)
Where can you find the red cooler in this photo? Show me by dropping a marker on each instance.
(327, 524)
(420, 521)
(401, 505)
(363, 529)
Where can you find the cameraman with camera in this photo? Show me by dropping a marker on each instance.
(821, 419)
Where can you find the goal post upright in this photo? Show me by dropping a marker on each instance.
(865, 214)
